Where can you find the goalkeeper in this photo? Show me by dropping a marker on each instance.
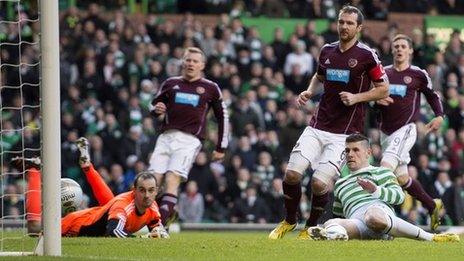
(365, 197)
(122, 216)
(99, 188)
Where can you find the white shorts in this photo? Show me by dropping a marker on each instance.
(358, 217)
(322, 149)
(396, 146)
(175, 151)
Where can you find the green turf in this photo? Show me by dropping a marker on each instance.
(252, 246)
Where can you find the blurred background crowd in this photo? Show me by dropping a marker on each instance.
(112, 63)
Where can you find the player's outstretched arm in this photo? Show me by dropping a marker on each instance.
(115, 228)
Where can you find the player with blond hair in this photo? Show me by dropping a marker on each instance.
(182, 106)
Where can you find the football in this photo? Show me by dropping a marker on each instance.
(71, 196)
(336, 232)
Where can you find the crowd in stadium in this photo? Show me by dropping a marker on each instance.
(112, 67)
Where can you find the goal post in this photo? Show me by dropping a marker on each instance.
(29, 107)
(51, 147)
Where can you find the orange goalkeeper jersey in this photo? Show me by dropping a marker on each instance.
(118, 217)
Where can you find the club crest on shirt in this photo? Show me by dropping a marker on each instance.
(200, 90)
(407, 79)
(352, 62)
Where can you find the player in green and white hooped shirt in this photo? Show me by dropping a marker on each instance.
(365, 197)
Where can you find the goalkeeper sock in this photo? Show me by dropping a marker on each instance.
(168, 202)
(292, 196)
(318, 203)
(415, 189)
(33, 195)
(100, 189)
(397, 227)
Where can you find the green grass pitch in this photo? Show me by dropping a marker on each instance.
(219, 245)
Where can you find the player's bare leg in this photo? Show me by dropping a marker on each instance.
(292, 195)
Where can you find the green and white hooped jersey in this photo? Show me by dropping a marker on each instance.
(349, 196)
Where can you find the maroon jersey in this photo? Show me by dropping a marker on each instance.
(188, 104)
(405, 88)
(351, 71)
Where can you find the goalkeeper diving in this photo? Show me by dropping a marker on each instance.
(119, 216)
(365, 197)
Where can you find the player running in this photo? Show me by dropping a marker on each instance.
(182, 104)
(398, 114)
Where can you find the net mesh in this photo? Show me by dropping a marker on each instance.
(20, 115)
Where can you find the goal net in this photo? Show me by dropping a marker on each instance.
(22, 121)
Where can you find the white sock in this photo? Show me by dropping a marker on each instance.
(400, 228)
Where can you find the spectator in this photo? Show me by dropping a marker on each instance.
(454, 201)
(442, 183)
(299, 57)
(426, 52)
(191, 206)
(281, 49)
(454, 50)
(117, 183)
(264, 173)
(239, 184)
(243, 117)
(250, 209)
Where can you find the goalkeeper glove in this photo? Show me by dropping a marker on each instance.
(157, 232)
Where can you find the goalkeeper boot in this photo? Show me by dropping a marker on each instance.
(281, 229)
(435, 215)
(446, 237)
(317, 233)
(304, 234)
(83, 146)
(21, 163)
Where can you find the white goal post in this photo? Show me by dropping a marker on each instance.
(49, 242)
(50, 101)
